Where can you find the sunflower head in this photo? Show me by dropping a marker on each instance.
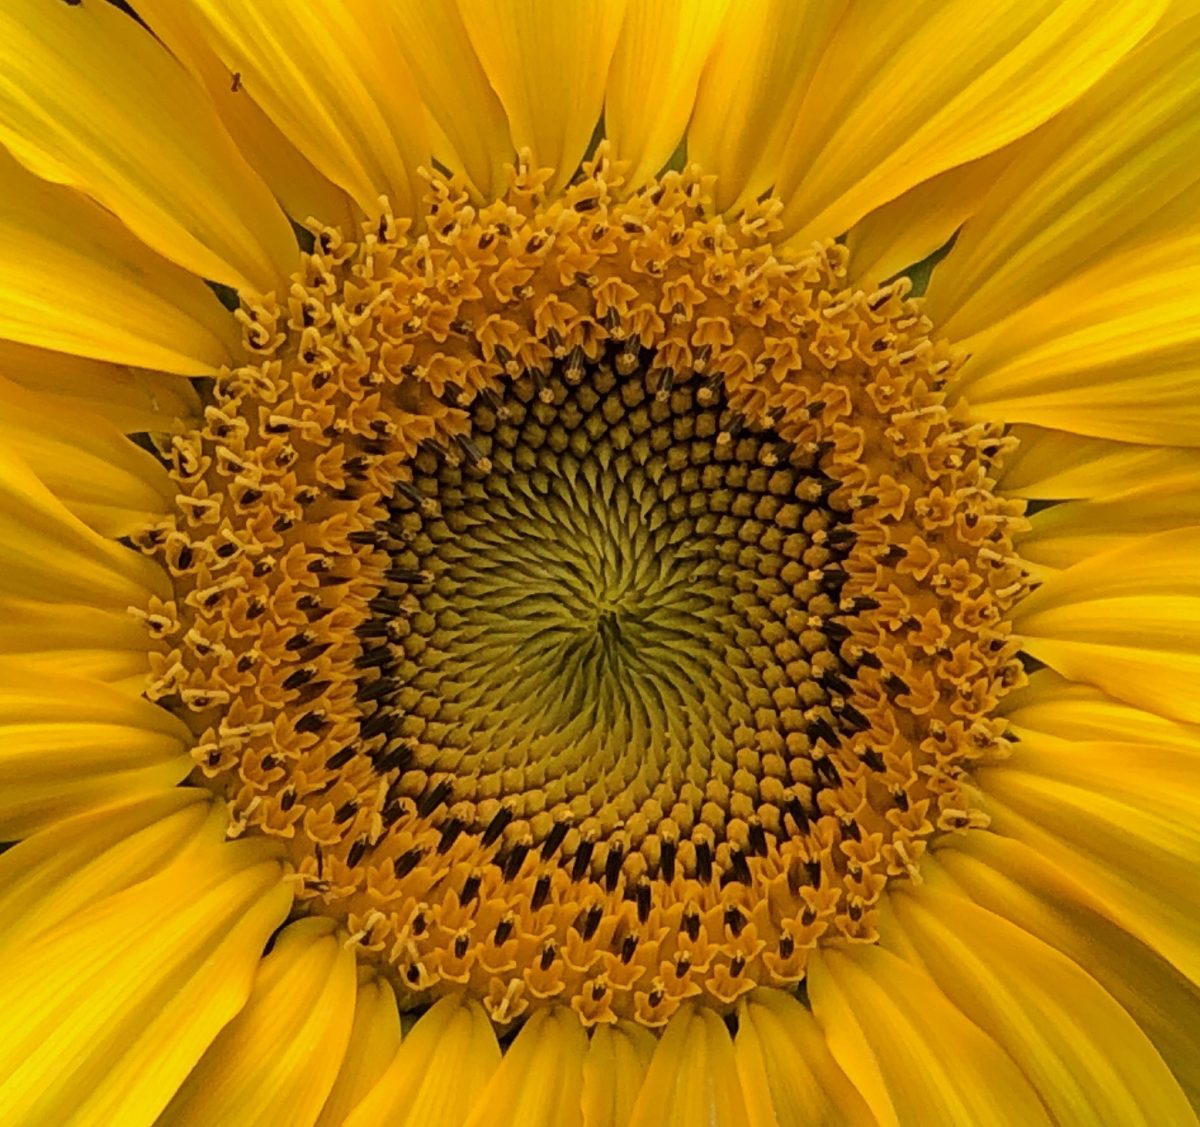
(557, 650)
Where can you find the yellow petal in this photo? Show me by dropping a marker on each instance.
(693, 1076)
(331, 79)
(67, 744)
(1068, 710)
(906, 91)
(51, 640)
(435, 1079)
(133, 400)
(300, 188)
(374, 1039)
(787, 1073)
(99, 475)
(1062, 535)
(653, 79)
(58, 872)
(1126, 621)
(76, 281)
(1055, 465)
(751, 90)
(613, 1071)
(52, 555)
(1089, 180)
(1163, 1003)
(452, 84)
(1135, 845)
(105, 1014)
(88, 98)
(1085, 1056)
(277, 1060)
(549, 64)
(911, 227)
(1111, 352)
(539, 1080)
(913, 1055)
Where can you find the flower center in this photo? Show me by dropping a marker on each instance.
(598, 605)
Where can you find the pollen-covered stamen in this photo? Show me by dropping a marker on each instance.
(599, 607)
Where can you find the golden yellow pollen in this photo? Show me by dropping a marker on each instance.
(599, 606)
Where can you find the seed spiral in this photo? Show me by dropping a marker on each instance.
(599, 606)
(602, 603)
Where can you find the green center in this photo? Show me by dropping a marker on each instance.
(609, 598)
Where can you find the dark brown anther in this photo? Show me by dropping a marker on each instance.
(376, 724)
(394, 758)
(628, 948)
(787, 946)
(643, 901)
(373, 690)
(691, 923)
(436, 796)
(704, 866)
(820, 729)
(497, 825)
(311, 722)
(356, 852)
(591, 921)
(841, 537)
(667, 858)
(612, 867)
(739, 870)
(513, 860)
(541, 892)
(503, 934)
(409, 860)
(549, 954)
(735, 919)
(895, 685)
(298, 677)
(872, 759)
(461, 943)
(554, 839)
(850, 715)
(375, 656)
(411, 494)
(449, 835)
(757, 839)
(346, 811)
(406, 576)
(339, 759)
(827, 770)
(583, 859)
(470, 888)
(369, 537)
(795, 809)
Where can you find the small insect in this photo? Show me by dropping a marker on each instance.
(235, 83)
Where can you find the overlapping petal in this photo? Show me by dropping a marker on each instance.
(104, 1015)
(89, 99)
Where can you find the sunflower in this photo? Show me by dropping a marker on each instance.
(599, 563)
